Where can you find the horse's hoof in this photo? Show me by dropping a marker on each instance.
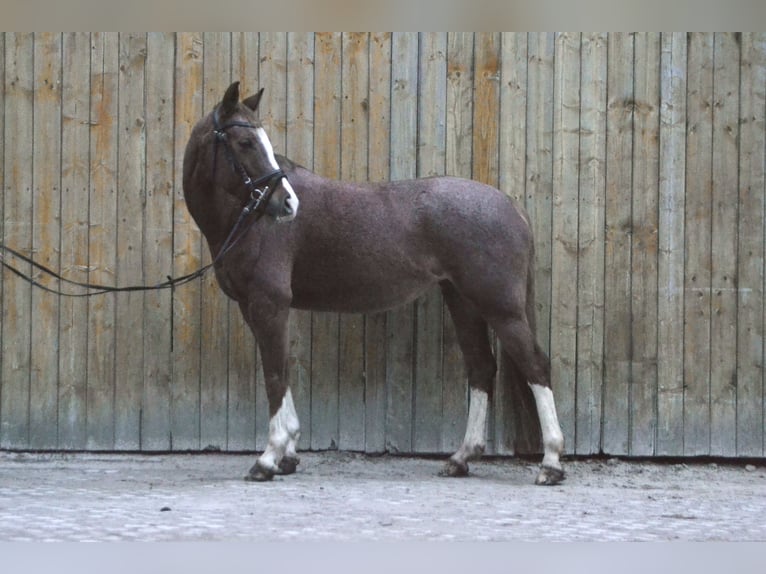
(454, 469)
(550, 476)
(259, 474)
(288, 465)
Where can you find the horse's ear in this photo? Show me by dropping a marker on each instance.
(253, 101)
(230, 99)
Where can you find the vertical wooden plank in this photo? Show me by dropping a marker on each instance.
(129, 348)
(458, 162)
(486, 106)
(73, 312)
(379, 117)
(46, 210)
(299, 147)
(272, 77)
(17, 201)
(158, 242)
(324, 347)
(400, 325)
(242, 372)
(750, 264)
(590, 249)
(670, 268)
(353, 166)
(698, 272)
(187, 253)
(214, 349)
(2, 210)
(566, 148)
(432, 95)
(539, 171)
(723, 312)
(102, 250)
(644, 246)
(513, 118)
(619, 142)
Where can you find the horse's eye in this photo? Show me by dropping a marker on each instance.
(246, 143)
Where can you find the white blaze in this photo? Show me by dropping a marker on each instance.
(292, 200)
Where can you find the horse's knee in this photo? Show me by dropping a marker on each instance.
(481, 374)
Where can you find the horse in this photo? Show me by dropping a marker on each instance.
(283, 237)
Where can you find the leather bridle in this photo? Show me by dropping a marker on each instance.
(260, 189)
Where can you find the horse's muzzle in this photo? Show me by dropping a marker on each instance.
(283, 203)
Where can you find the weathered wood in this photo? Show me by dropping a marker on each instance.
(325, 326)
(427, 408)
(619, 152)
(2, 213)
(187, 253)
(566, 130)
(102, 250)
(158, 242)
(73, 324)
(131, 197)
(750, 268)
(725, 213)
(400, 323)
(590, 249)
(539, 171)
(46, 218)
(17, 233)
(644, 245)
(698, 272)
(670, 265)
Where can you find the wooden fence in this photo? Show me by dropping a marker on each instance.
(639, 157)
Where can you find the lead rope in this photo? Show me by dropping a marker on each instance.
(170, 283)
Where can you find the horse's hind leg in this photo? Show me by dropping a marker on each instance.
(519, 343)
(473, 337)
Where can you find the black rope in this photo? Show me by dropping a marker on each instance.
(170, 283)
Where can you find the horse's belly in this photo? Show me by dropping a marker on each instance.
(351, 293)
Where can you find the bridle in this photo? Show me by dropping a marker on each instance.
(258, 195)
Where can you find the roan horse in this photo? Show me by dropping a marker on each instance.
(354, 247)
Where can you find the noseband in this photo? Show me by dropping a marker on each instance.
(261, 188)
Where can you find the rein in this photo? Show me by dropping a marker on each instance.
(258, 196)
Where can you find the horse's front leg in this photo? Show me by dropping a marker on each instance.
(269, 324)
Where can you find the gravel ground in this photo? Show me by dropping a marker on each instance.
(338, 496)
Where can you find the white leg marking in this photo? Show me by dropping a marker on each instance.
(292, 199)
(284, 430)
(553, 439)
(475, 432)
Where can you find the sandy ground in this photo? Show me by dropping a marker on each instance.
(342, 496)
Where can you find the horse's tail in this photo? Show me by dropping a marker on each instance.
(526, 424)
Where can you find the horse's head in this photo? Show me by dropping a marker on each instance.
(244, 164)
